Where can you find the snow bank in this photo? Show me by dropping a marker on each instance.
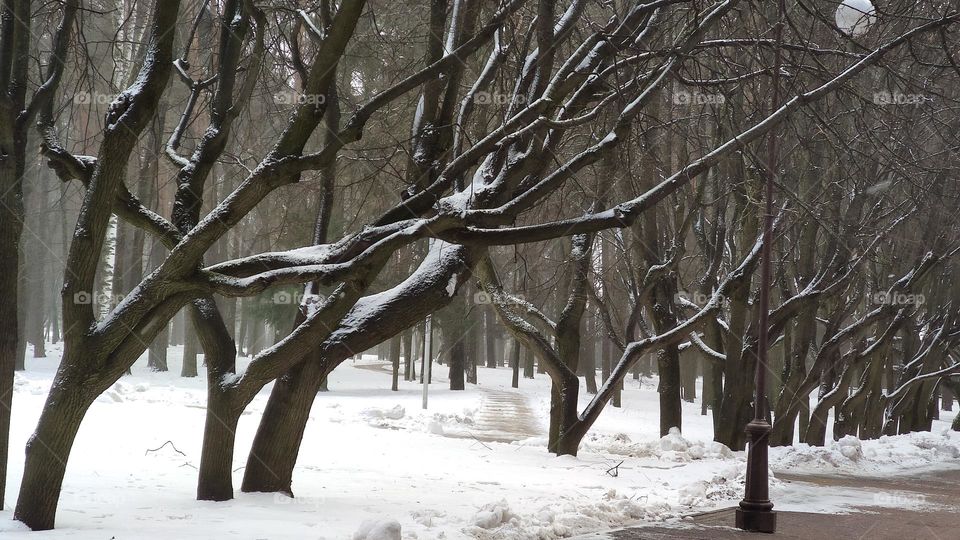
(386, 529)
(393, 413)
(886, 454)
(563, 518)
(672, 447)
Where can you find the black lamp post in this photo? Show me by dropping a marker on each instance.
(756, 511)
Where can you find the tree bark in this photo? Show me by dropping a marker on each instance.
(395, 362)
(46, 457)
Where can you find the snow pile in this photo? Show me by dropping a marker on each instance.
(565, 517)
(850, 454)
(429, 517)
(22, 384)
(493, 515)
(724, 486)
(118, 392)
(435, 428)
(454, 420)
(850, 448)
(376, 413)
(672, 447)
(384, 529)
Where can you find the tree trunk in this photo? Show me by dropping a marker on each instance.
(408, 363)
(588, 358)
(489, 338)
(527, 363)
(189, 366)
(273, 454)
(395, 362)
(668, 365)
(472, 348)
(688, 377)
(46, 456)
(457, 359)
(157, 357)
(11, 223)
(607, 349)
(215, 480)
(515, 362)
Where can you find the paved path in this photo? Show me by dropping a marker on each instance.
(503, 417)
(939, 519)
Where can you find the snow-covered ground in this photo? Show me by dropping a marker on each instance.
(371, 454)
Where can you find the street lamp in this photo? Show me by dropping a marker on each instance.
(756, 511)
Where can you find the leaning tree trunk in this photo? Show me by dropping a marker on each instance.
(46, 458)
(273, 453)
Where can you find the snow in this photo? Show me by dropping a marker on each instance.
(452, 286)
(879, 456)
(387, 529)
(375, 465)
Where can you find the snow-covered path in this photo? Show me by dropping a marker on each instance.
(503, 417)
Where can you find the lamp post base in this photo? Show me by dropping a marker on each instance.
(756, 511)
(764, 521)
